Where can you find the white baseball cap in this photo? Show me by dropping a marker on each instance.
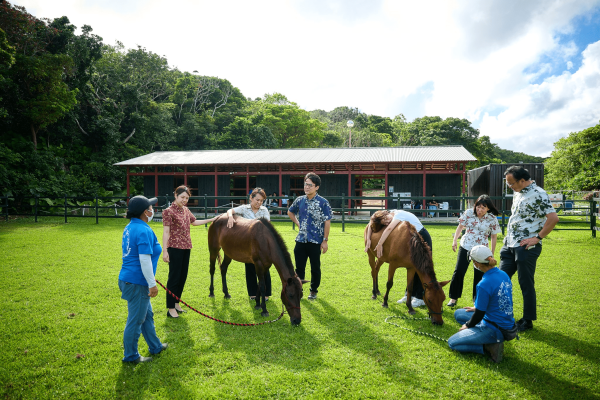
(480, 254)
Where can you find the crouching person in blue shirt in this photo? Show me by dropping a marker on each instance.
(482, 325)
(141, 252)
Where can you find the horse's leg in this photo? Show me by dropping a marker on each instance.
(410, 279)
(390, 283)
(224, 266)
(213, 257)
(260, 272)
(374, 274)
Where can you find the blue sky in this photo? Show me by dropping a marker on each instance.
(526, 73)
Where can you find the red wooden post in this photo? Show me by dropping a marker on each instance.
(155, 181)
(216, 187)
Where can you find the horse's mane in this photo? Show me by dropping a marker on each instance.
(420, 254)
(281, 244)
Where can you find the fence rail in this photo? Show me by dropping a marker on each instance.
(115, 207)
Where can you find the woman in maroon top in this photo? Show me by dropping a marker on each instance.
(178, 243)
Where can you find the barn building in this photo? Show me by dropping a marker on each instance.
(420, 171)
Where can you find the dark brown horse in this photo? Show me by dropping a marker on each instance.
(405, 248)
(255, 241)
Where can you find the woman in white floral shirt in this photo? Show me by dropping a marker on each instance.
(480, 223)
(254, 210)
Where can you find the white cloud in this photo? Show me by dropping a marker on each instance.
(462, 59)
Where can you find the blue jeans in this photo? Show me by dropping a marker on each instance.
(472, 340)
(140, 319)
(432, 208)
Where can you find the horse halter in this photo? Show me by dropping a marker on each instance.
(429, 308)
(284, 286)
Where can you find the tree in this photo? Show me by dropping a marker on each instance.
(575, 161)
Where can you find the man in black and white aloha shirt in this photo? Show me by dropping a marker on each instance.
(532, 219)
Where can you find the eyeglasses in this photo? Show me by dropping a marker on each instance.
(308, 185)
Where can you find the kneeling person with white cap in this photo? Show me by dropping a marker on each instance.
(485, 327)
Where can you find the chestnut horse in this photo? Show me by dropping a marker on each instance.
(405, 248)
(255, 241)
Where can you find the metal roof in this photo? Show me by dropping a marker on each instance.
(305, 156)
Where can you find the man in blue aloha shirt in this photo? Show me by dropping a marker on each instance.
(314, 215)
(532, 219)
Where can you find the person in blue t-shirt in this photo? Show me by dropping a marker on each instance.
(480, 331)
(141, 252)
(314, 215)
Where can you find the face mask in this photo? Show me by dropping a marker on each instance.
(152, 216)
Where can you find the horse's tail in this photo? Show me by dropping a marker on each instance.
(280, 243)
(420, 253)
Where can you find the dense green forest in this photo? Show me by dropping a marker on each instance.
(71, 106)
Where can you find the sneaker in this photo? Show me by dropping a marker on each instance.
(417, 302)
(524, 325)
(402, 300)
(452, 304)
(312, 296)
(495, 350)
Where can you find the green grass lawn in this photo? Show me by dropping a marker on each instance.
(63, 322)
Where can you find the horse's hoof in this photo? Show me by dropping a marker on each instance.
(227, 296)
(374, 297)
(265, 314)
(257, 307)
(211, 295)
(384, 305)
(413, 312)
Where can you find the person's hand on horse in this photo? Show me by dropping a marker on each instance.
(166, 256)
(368, 246)
(230, 222)
(153, 291)
(379, 249)
(324, 246)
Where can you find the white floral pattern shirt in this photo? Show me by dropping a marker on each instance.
(245, 210)
(311, 215)
(477, 231)
(529, 209)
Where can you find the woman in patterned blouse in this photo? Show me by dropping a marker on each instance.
(254, 210)
(480, 223)
(176, 238)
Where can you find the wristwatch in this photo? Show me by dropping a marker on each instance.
(325, 239)
(538, 237)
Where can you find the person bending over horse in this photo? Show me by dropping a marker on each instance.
(482, 325)
(480, 223)
(254, 210)
(176, 237)
(392, 218)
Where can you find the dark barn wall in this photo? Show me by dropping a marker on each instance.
(490, 180)
(206, 185)
(333, 185)
(149, 186)
(165, 188)
(445, 185)
(270, 183)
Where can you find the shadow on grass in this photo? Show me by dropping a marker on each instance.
(566, 344)
(353, 333)
(166, 368)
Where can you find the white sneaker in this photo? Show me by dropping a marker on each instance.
(417, 302)
(402, 300)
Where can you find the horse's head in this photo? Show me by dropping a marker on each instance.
(290, 296)
(434, 299)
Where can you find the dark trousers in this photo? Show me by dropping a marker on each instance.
(518, 259)
(304, 251)
(418, 290)
(179, 262)
(458, 277)
(252, 281)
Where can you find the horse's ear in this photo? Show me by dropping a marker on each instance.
(303, 281)
(442, 284)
